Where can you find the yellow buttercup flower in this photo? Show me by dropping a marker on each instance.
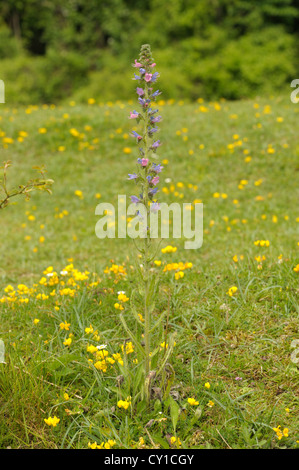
(118, 306)
(192, 402)
(52, 421)
(65, 326)
(92, 349)
(68, 342)
(89, 330)
(169, 249)
(175, 441)
(232, 290)
(93, 445)
(104, 445)
(79, 193)
(122, 297)
(124, 403)
(281, 433)
(179, 275)
(129, 347)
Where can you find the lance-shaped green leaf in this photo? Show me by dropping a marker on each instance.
(132, 336)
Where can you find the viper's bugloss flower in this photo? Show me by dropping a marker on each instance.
(152, 192)
(155, 119)
(138, 137)
(146, 176)
(144, 103)
(156, 93)
(152, 130)
(132, 176)
(133, 115)
(137, 64)
(157, 168)
(156, 144)
(155, 206)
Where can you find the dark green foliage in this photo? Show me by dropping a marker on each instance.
(219, 48)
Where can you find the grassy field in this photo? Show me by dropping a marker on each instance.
(232, 352)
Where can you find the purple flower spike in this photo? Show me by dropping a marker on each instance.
(147, 176)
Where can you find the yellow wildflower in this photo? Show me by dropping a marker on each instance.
(52, 421)
(193, 402)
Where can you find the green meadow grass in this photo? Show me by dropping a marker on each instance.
(240, 344)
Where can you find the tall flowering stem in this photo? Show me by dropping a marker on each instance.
(147, 174)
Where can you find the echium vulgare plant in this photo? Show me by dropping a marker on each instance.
(146, 179)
